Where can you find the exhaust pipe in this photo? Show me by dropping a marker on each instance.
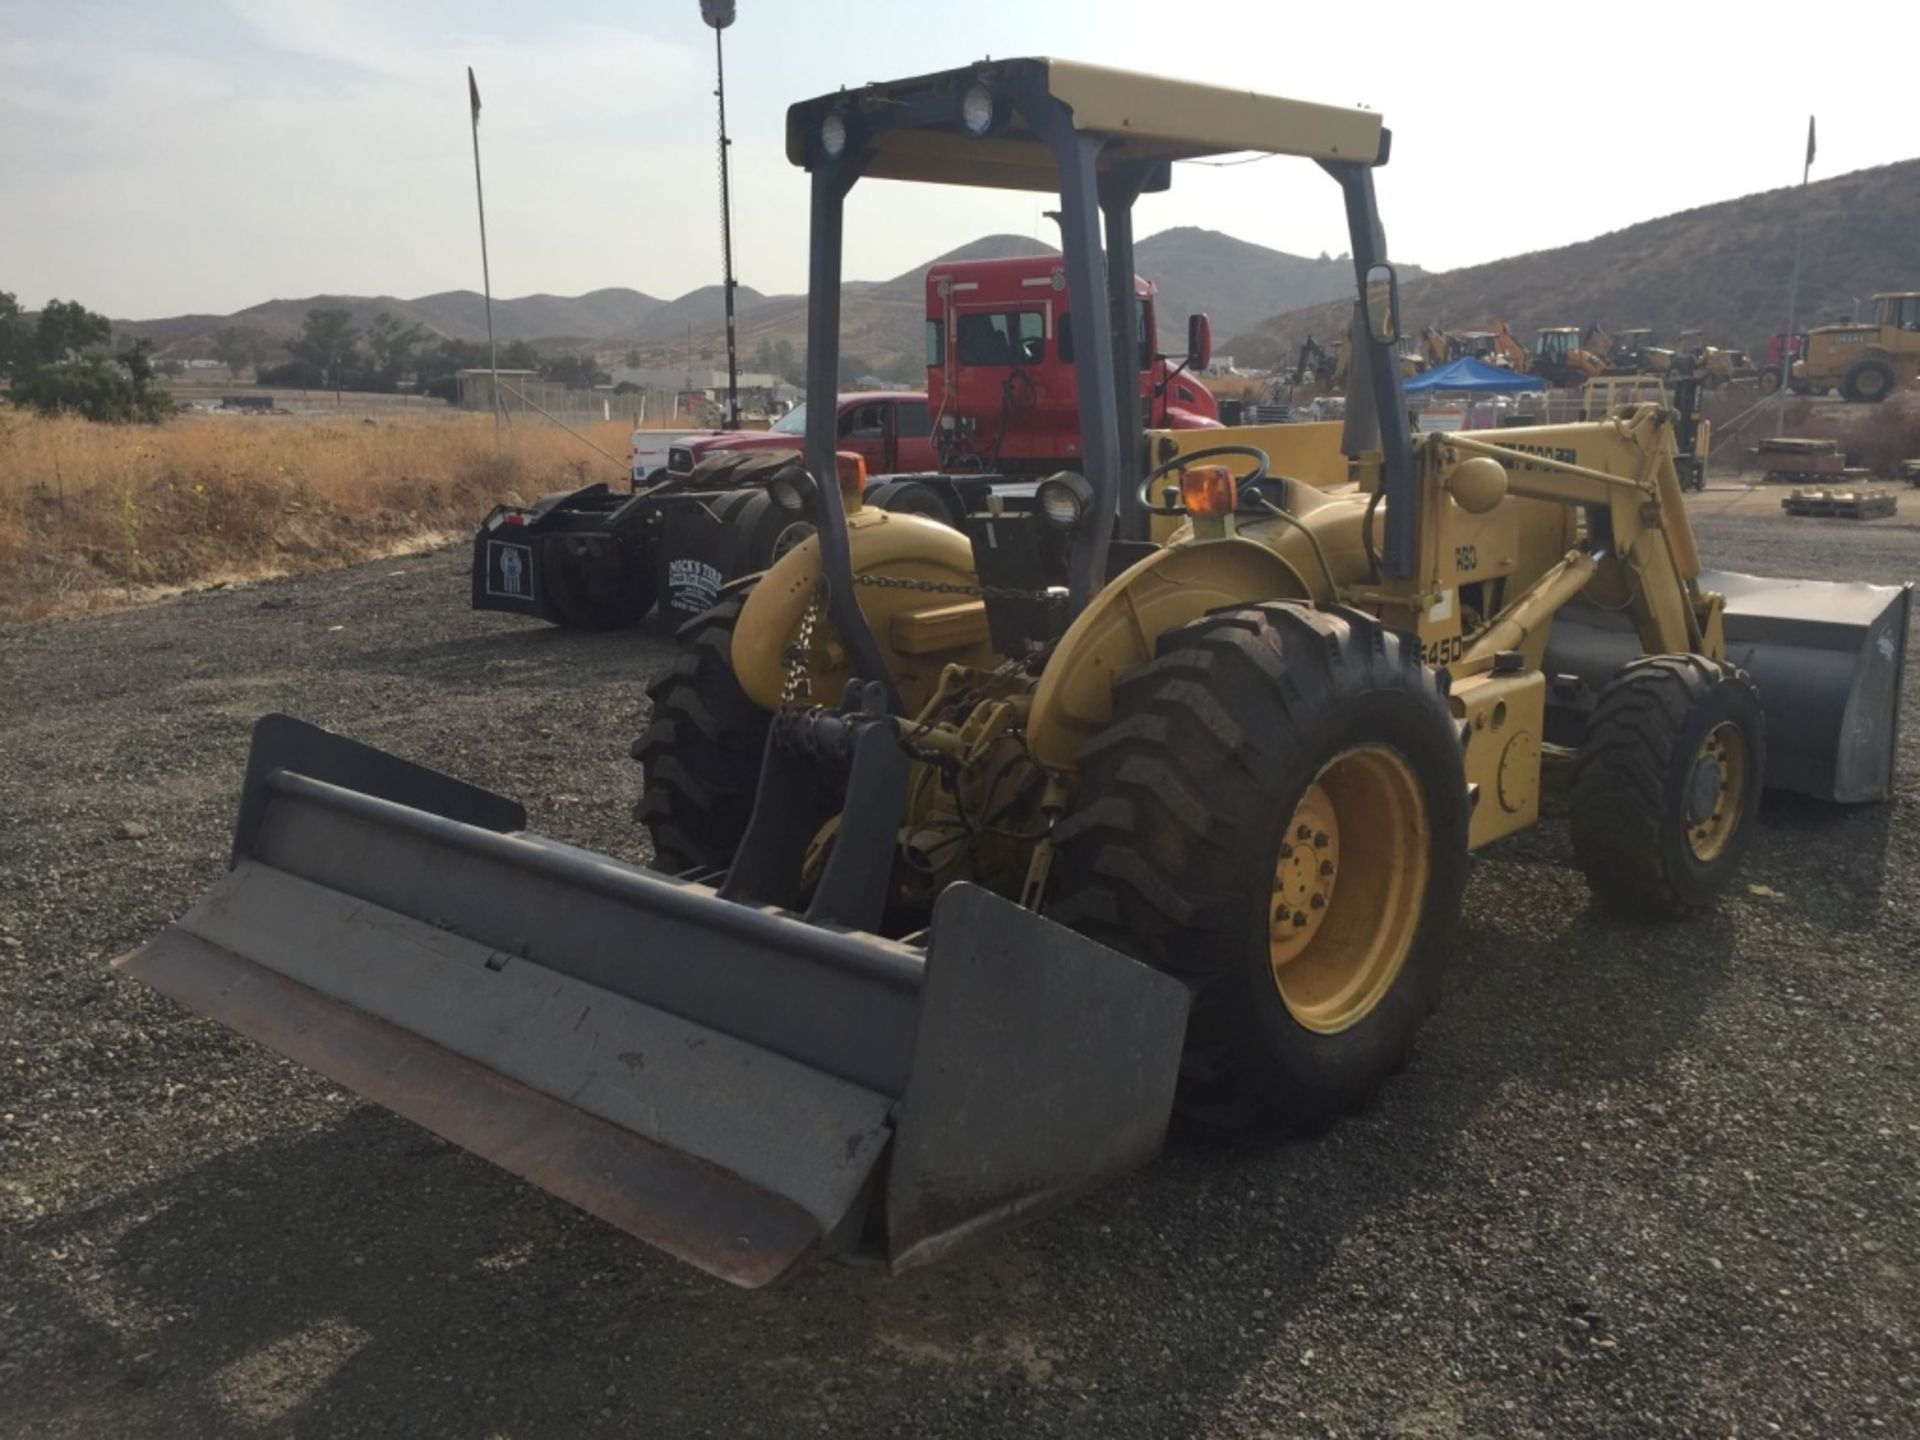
(727, 1081)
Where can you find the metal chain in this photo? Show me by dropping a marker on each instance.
(796, 684)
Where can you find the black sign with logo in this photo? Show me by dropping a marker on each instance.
(510, 570)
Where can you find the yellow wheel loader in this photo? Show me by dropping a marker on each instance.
(1865, 362)
(978, 850)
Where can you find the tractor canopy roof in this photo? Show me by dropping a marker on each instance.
(965, 126)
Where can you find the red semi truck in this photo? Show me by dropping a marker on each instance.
(1000, 377)
(1001, 410)
(1000, 385)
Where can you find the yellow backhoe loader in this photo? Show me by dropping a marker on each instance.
(1562, 359)
(976, 852)
(1507, 352)
(1690, 354)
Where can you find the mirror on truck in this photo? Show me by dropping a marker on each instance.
(1199, 342)
(1383, 304)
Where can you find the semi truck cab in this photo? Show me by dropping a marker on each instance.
(1000, 371)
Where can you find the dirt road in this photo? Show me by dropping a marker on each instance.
(1638, 1180)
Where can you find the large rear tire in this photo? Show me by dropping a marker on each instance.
(767, 532)
(1277, 815)
(702, 748)
(1868, 382)
(916, 497)
(1666, 787)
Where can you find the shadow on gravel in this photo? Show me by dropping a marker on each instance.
(536, 655)
(1828, 861)
(366, 1276)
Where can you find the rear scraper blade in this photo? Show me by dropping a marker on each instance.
(728, 1082)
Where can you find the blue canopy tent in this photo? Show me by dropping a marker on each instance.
(1469, 375)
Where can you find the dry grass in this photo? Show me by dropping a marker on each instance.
(96, 515)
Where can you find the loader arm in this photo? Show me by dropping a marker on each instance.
(1638, 539)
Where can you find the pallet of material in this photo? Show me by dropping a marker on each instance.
(1841, 504)
(1789, 458)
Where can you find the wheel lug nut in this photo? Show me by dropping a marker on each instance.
(1326, 867)
(1319, 901)
(1286, 850)
(1320, 841)
(1305, 832)
(1299, 919)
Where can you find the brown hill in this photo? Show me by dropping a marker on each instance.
(881, 320)
(1723, 268)
(454, 314)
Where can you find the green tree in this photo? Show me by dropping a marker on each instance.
(138, 358)
(438, 369)
(633, 359)
(16, 340)
(238, 348)
(67, 328)
(578, 372)
(393, 344)
(94, 387)
(328, 342)
(777, 357)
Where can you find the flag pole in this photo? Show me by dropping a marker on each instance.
(1793, 293)
(719, 14)
(486, 275)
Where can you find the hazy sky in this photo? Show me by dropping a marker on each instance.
(195, 155)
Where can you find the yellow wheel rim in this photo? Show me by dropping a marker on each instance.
(1716, 791)
(1339, 931)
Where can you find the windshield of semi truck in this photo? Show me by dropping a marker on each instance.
(794, 422)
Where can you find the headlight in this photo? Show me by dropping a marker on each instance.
(833, 135)
(791, 489)
(976, 110)
(1063, 499)
(679, 460)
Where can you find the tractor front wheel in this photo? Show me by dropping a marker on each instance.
(702, 748)
(1868, 382)
(1277, 815)
(1666, 787)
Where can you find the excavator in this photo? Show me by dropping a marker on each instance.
(977, 851)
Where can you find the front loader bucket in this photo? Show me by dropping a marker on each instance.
(1828, 658)
(726, 1081)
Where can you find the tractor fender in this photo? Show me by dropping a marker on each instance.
(1119, 629)
(894, 543)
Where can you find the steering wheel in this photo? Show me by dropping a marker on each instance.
(1180, 462)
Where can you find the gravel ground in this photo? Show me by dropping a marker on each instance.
(1638, 1180)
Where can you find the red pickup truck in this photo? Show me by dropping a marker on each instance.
(890, 429)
